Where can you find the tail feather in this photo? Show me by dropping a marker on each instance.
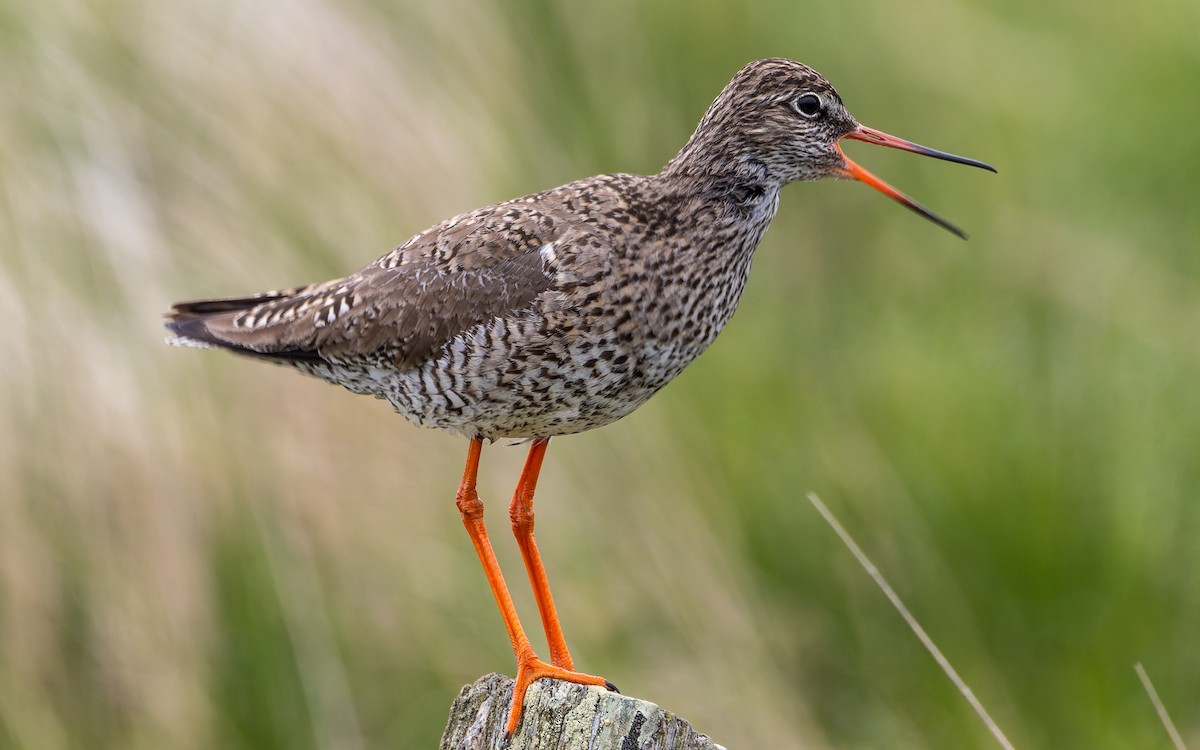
(192, 325)
(225, 304)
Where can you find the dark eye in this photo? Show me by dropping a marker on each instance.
(808, 105)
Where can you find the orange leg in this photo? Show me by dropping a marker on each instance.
(529, 667)
(521, 513)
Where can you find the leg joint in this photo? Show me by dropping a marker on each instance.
(469, 504)
(520, 512)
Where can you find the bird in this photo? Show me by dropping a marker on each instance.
(564, 310)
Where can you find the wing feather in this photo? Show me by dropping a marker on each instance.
(408, 304)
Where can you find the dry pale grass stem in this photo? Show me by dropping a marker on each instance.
(1169, 725)
(894, 598)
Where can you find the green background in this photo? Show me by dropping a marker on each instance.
(199, 551)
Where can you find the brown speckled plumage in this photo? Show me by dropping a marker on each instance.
(556, 312)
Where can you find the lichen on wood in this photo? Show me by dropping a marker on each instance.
(564, 716)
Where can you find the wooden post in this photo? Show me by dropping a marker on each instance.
(562, 716)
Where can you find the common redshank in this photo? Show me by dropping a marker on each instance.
(563, 310)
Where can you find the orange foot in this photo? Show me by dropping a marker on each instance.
(530, 668)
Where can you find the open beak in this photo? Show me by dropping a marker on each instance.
(870, 135)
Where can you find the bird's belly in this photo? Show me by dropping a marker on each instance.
(511, 379)
(570, 392)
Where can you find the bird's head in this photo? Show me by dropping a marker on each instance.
(783, 121)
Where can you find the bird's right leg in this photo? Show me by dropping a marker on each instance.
(529, 666)
(471, 509)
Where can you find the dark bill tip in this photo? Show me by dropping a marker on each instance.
(880, 138)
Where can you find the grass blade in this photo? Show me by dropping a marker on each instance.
(1176, 739)
(922, 636)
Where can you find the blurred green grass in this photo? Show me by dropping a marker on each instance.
(198, 551)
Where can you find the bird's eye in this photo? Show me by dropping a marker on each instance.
(808, 105)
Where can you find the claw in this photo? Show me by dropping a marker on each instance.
(531, 669)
